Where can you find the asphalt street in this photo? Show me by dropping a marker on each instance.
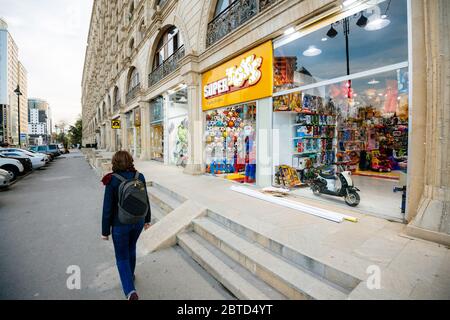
(50, 222)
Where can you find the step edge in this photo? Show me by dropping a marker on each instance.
(352, 278)
(185, 241)
(281, 276)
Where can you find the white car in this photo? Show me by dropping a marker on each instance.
(5, 178)
(37, 160)
(11, 165)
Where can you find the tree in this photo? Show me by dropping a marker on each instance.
(75, 132)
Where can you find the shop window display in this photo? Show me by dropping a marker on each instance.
(345, 116)
(230, 138)
(130, 131)
(157, 129)
(178, 128)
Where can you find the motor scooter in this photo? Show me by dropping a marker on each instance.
(338, 185)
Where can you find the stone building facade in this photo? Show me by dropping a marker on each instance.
(144, 56)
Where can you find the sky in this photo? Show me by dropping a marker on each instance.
(51, 36)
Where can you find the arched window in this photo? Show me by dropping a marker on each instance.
(134, 79)
(169, 43)
(131, 46)
(221, 6)
(142, 31)
(116, 97)
(131, 11)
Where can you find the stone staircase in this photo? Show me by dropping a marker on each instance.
(250, 265)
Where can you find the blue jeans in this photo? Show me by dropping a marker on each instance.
(124, 239)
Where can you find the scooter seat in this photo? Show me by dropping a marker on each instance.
(328, 176)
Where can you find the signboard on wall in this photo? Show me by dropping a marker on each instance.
(245, 78)
(115, 124)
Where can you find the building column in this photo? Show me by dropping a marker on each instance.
(123, 124)
(432, 221)
(145, 130)
(195, 137)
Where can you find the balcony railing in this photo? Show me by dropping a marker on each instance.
(167, 67)
(237, 14)
(133, 92)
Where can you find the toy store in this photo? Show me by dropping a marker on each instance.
(231, 98)
(340, 109)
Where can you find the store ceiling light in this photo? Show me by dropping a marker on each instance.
(332, 33)
(289, 31)
(372, 82)
(324, 39)
(312, 51)
(377, 21)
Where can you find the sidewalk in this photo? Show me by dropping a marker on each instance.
(410, 268)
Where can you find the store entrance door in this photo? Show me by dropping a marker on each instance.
(157, 142)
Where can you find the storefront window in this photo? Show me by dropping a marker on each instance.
(230, 138)
(157, 129)
(130, 131)
(178, 127)
(377, 37)
(356, 121)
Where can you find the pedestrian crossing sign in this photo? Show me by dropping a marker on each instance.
(115, 124)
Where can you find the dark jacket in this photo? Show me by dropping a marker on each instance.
(111, 201)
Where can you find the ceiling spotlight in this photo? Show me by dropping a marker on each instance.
(312, 51)
(324, 39)
(374, 82)
(362, 21)
(377, 21)
(332, 33)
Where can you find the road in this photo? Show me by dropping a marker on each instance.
(50, 220)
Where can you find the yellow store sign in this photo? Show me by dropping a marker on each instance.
(245, 78)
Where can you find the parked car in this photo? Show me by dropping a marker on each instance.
(46, 157)
(6, 178)
(37, 160)
(46, 149)
(54, 148)
(25, 161)
(13, 166)
(34, 149)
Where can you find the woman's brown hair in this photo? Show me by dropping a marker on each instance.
(122, 161)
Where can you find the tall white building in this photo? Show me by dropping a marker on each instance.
(39, 122)
(12, 74)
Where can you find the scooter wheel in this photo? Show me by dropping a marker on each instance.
(352, 199)
(316, 190)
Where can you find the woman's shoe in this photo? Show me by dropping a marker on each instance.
(133, 296)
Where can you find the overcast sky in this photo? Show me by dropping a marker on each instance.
(51, 36)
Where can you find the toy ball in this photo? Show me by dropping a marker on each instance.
(231, 124)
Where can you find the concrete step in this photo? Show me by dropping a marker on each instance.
(238, 280)
(343, 280)
(291, 280)
(157, 215)
(165, 200)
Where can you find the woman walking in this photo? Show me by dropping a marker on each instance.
(126, 211)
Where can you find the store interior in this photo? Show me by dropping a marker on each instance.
(230, 142)
(346, 110)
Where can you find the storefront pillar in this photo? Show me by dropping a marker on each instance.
(145, 130)
(195, 158)
(432, 221)
(124, 129)
(264, 161)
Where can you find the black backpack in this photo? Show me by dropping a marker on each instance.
(133, 200)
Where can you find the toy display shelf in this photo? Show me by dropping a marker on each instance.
(300, 138)
(313, 125)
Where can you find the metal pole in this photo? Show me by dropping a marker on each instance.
(18, 117)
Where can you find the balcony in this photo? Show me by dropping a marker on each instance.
(132, 94)
(167, 67)
(236, 15)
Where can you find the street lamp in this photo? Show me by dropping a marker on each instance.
(17, 91)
